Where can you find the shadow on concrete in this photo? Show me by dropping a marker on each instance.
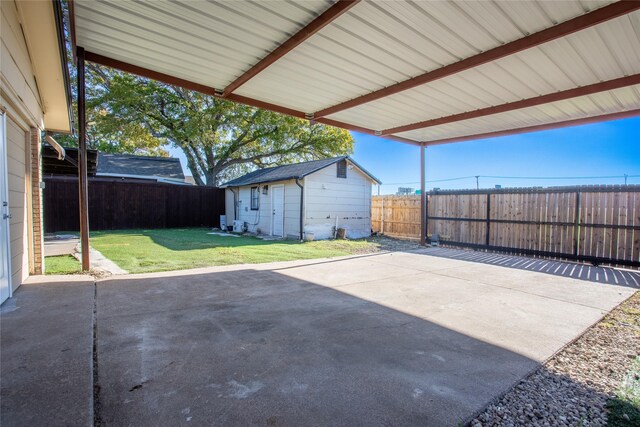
(46, 340)
(255, 347)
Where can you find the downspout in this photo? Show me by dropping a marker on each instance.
(301, 208)
(59, 149)
(235, 204)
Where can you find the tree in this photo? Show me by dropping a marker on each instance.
(105, 132)
(219, 138)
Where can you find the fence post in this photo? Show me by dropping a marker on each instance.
(487, 236)
(382, 216)
(426, 219)
(576, 226)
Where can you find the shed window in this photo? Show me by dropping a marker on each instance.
(342, 169)
(255, 199)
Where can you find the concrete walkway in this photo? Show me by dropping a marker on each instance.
(68, 244)
(100, 262)
(385, 339)
(60, 245)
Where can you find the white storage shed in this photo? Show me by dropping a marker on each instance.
(295, 200)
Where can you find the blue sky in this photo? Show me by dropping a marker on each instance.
(602, 149)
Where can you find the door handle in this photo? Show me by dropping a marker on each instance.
(6, 216)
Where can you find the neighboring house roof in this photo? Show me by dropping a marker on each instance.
(293, 171)
(141, 166)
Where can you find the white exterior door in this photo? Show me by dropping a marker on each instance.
(5, 255)
(277, 214)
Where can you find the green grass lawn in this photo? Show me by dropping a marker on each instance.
(142, 251)
(64, 264)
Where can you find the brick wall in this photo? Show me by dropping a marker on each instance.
(36, 202)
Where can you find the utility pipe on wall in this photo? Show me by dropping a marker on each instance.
(301, 209)
(59, 149)
(235, 204)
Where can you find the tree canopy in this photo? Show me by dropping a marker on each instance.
(219, 138)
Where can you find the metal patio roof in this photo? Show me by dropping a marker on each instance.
(415, 71)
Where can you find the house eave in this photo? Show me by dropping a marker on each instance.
(43, 29)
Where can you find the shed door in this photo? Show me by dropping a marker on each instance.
(277, 206)
(5, 257)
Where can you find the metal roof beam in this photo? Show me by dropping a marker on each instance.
(367, 131)
(324, 19)
(72, 30)
(536, 128)
(563, 29)
(207, 90)
(524, 103)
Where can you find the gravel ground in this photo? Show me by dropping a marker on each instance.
(573, 387)
(390, 244)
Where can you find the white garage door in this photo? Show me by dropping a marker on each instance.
(17, 183)
(5, 257)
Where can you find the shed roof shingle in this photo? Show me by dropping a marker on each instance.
(292, 171)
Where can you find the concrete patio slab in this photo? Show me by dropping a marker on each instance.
(397, 339)
(557, 287)
(387, 339)
(358, 269)
(306, 357)
(46, 365)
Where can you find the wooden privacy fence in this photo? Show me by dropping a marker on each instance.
(401, 216)
(599, 224)
(116, 204)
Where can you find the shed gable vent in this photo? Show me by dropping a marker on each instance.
(341, 169)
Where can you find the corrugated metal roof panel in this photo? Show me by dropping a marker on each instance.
(240, 33)
(373, 45)
(548, 68)
(375, 40)
(623, 99)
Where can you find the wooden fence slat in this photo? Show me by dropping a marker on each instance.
(591, 222)
(114, 204)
